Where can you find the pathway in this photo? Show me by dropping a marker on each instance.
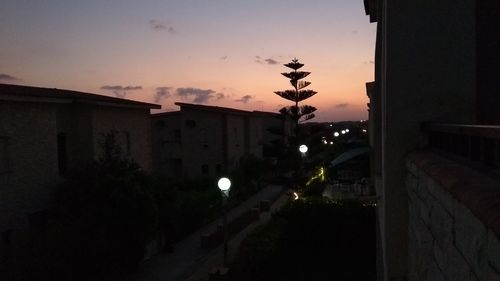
(189, 259)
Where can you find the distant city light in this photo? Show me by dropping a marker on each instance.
(343, 132)
(295, 196)
(336, 134)
(325, 142)
(331, 142)
(347, 130)
(364, 130)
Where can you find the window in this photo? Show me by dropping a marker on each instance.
(236, 137)
(177, 135)
(62, 154)
(160, 124)
(204, 169)
(204, 138)
(218, 169)
(4, 154)
(7, 240)
(126, 142)
(190, 123)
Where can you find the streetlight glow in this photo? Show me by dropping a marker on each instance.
(303, 148)
(224, 184)
(336, 134)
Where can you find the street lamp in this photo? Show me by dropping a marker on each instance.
(303, 149)
(224, 185)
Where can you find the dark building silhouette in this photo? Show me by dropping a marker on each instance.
(435, 62)
(200, 140)
(45, 134)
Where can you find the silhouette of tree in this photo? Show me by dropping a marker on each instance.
(297, 94)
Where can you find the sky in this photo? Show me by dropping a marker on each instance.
(216, 52)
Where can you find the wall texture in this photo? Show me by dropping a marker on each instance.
(454, 221)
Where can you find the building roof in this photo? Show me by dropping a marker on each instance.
(38, 94)
(371, 9)
(216, 109)
(166, 113)
(212, 108)
(348, 155)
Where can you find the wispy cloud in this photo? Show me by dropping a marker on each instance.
(219, 96)
(162, 93)
(161, 26)
(342, 105)
(196, 95)
(120, 91)
(223, 58)
(270, 61)
(244, 99)
(8, 78)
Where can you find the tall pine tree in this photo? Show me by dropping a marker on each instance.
(297, 94)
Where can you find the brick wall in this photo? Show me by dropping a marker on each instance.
(454, 215)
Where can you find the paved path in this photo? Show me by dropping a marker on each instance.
(189, 258)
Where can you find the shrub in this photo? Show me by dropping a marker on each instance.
(311, 240)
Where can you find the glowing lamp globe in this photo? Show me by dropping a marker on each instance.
(303, 148)
(224, 184)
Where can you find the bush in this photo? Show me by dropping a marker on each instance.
(311, 240)
(105, 215)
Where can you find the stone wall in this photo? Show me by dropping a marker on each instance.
(454, 216)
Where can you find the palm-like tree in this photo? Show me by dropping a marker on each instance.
(297, 94)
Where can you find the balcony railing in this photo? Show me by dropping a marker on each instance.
(476, 143)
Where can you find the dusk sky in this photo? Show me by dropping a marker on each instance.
(216, 52)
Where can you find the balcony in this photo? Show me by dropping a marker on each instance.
(454, 203)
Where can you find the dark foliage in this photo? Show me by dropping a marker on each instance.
(105, 215)
(311, 240)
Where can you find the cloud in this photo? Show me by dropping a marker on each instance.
(223, 58)
(161, 26)
(368, 62)
(120, 91)
(245, 99)
(196, 95)
(342, 105)
(219, 96)
(271, 61)
(8, 78)
(162, 93)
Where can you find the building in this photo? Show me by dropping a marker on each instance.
(200, 140)
(435, 62)
(47, 133)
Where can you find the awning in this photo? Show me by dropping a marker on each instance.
(348, 155)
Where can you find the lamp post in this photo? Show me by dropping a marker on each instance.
(303, 149)
(224, 185)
